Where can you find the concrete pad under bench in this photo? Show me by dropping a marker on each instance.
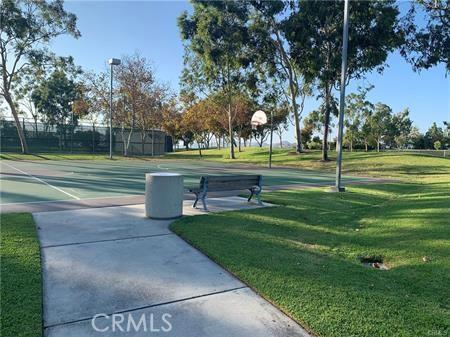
(119, 222)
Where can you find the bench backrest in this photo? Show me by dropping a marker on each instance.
(229, 183)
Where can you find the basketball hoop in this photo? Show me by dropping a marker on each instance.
(259, 118)
(255, 125)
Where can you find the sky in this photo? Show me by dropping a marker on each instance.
(117, 28)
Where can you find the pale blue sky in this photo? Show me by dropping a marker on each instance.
(116, 28)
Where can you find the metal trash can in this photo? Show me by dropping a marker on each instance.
(163, 195)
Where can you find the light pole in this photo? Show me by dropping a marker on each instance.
(271, 138)
(112, 62)
(338, 187)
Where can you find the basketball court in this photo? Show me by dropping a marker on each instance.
(94, 182)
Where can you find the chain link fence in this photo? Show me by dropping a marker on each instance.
(83, 138)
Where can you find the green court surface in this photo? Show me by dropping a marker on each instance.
(55, 180)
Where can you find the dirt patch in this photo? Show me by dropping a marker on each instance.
(374, 261)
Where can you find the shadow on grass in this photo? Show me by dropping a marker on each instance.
(304, 254)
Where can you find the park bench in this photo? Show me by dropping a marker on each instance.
(227, 183)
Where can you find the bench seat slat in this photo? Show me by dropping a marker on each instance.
(238, 184)
(230, 178)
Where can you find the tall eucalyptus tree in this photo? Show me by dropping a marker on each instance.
(315, 36)
(26, 28)
(216, 37)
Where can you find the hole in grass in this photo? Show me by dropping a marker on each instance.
(373, 261)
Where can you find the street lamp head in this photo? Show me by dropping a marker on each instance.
(114, 62)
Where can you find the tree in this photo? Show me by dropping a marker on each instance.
(379, 123)
(243, 107)
(216, 36)
(437, 145)
(195, 119)
(273, 53)
(27, 105)
(280, 121)
(141, 98)
(316, 40)
(26, 27)
(171, 121)
(357, 109)
(427, 44)
(416, 139)
(308, 129)
(398, 129)
(53, 98)
(92, 102)
(434, 134)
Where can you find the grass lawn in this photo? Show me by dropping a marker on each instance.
(304, 255)
(21, 288)
(383, 164)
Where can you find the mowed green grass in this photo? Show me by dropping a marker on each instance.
(383, 164)
(21, 287)
(304, 255)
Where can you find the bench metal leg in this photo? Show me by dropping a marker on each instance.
(196, 200)
(255, 192)
(251, 194)
(204, 202)
(259, 199)
(200, 196)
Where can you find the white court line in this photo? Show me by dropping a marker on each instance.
(61, 200)
(42, 181)
(34, 202)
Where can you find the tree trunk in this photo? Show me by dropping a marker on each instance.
(239, 144)
(230, 132)
(298, 133)
(281, 140)
(293, 87)
(21, 134)
(378, 145)
(351, 145)
(143, 142)
(199, 148)
(366, 145)
(326, 124)
(130, 132)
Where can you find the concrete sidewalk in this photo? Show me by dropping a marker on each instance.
(116, 264)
